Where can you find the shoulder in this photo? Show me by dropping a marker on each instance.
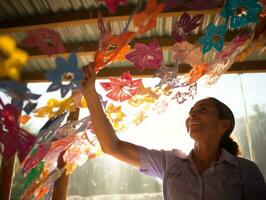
(250, 170)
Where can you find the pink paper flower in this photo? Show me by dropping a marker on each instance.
(48, 41)
(123, 88)
(186, 52)
(146, 56)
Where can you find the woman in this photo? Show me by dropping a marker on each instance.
(212, 170)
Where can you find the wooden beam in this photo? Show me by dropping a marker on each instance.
(84, 17)
(89, 48)
(238, 67)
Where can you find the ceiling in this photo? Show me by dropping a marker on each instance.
(76, 22)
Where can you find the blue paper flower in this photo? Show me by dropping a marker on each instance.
(67, 76)
(213, 38)
(20, 94)
(241, 12)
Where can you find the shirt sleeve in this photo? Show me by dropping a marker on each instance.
(152, 162)
(254, 185)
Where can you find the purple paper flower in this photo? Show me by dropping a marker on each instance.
(66, 76)
(185, 25)
(146, 56)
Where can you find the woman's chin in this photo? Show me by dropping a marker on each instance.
(195, 134)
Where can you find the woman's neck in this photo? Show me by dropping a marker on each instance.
(204, 155)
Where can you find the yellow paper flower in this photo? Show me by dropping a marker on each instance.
(54, 108)
(137, 100)
(115, 115)
(11, 58)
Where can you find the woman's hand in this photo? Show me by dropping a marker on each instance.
(88, 83)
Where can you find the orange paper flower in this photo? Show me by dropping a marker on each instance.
(146, 19)
(196, 72)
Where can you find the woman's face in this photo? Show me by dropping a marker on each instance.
(203, 121)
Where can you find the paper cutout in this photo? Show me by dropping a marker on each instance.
(167, 75)
(20, 93)
(105, 33)
(115, 115)
(181, 97)
(38, 154)
(232, 47)
(113, 4)
(146, 56)
(12, 138)
(185, 25)
(196, 73)
(146, 19)
(24, 119)
(161, 106)
(11, 58)
(121, 89)
(49, 131)
(67, 76)
(33, 174)
(43, 182)
(48, 41)
(186, 52)
(241, 12)
(122, 54)
(55, 108)
(213, 38)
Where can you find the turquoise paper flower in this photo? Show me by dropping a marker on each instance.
(241, 12)
(67, 76)
(213, 38)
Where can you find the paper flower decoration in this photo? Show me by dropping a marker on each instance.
(48, 41)
(112, 4)
(146, 19)
(49, 130)
(196, 73)
(11, 58)
(232, 47)
(213, 38)
(185, 25)
(181, 97)
(122, 54)
(146, 56)
(67, 76)
(161, 106)
(20, 93)
(139, 118)
(54, 108)
(115, 115)
(186, 52)
(111, 49)
(33, 174)
(105, 33)
(121, 89)
(241, 12)
(37, 155)
(12, 138)
(167, 75)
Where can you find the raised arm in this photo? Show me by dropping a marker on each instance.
(106, 135)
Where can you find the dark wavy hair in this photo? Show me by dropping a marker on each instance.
(225, 113)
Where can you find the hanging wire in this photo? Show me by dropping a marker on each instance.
(248, 131)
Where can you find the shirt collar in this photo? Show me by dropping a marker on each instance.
(225, 156)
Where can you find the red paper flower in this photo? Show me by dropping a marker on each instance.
(12, 138)
(146, 19)
(123, 88)
(149, 56)
(48, 41)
